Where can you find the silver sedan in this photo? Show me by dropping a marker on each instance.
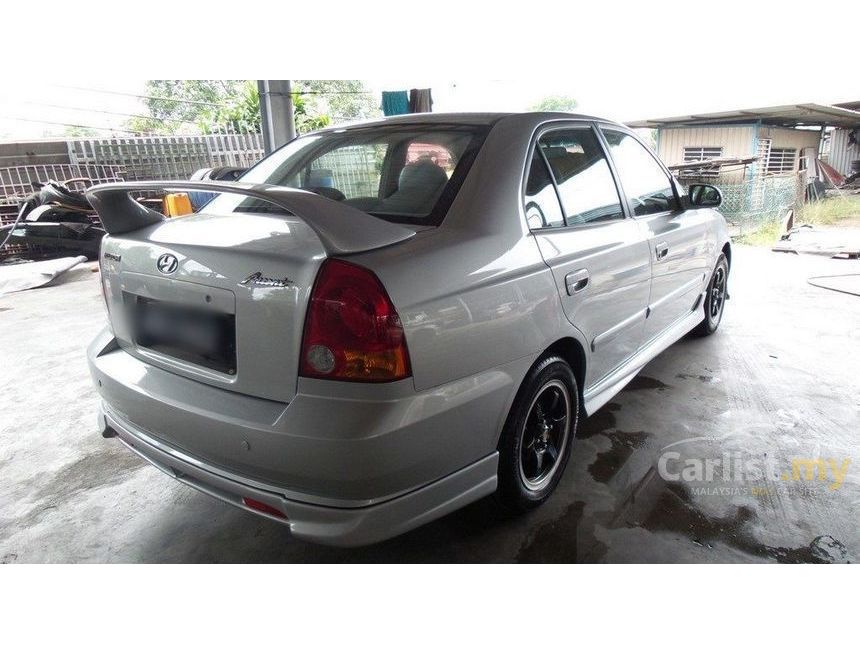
(384, 322)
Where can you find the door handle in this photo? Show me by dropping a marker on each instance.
(661, 250)
(576, 281)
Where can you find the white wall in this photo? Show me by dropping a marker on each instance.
(791, 138)
(736, 141)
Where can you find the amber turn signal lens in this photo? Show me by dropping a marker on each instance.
(352, 330)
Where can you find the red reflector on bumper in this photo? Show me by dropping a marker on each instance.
(263, 508)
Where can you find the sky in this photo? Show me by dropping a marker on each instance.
(38, 110)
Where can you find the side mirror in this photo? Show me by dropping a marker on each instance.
(705, 196)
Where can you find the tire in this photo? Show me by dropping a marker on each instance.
(528, 471)
(717, 294)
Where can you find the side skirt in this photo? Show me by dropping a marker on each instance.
(600, 393)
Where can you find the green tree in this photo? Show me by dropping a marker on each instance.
(306, 122)
(242, 114)
(207, 105)
(173, 105)
(82, 132)
(556, 103)
(340, 100)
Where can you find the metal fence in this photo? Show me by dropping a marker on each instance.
(143, 158)
(16, 182)
(761, 199)
(354, 170)
(169, 157)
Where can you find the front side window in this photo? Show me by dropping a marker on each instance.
(585, 185)
(646, 184)
(400, 173)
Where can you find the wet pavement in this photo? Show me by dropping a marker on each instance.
(742, 447)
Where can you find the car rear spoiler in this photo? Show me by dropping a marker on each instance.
(341, 228)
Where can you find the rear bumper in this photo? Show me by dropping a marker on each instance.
(344, 527)
(346, 463)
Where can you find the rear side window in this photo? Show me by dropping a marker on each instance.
(585, 185)
(646, 184)
(542, 207)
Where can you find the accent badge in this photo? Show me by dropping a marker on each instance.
(259, 280)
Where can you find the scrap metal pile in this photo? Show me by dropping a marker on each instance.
(714, 164)
(54, 221)
(851, 185)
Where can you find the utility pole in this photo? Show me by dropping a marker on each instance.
(276, 112)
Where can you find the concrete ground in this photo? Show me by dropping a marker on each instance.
(777, 382)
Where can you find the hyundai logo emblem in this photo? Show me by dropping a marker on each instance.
(167, 263)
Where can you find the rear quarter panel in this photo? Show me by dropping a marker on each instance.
(468, 306)
(475, 292)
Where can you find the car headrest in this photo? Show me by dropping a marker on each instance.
(553, 152)
(422, 174)
(567, 165)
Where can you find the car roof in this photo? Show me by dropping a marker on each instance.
(462, 118)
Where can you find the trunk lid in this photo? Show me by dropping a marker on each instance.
(254, 270)
(221, 297)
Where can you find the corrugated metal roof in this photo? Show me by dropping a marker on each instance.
(851, 105)
(785, 115)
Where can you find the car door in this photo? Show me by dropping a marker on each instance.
(599, 257)
(677, 238)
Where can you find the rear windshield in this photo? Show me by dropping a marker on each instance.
(398, 173)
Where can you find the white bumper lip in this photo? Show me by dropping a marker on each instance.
(335, 526)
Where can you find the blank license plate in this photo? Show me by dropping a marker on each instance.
(190, 334)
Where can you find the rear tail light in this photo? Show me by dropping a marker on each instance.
(352, 331)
